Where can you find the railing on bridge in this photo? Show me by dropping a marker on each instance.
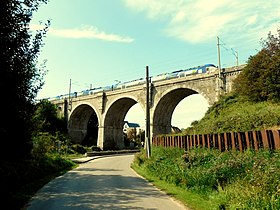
(266, 139)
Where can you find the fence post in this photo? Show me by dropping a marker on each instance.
(264, 139)
(220, 142)
(196, 140)
(276, 138)
(232, 136)
(168, 142)
(255, 140)
(247, 139)
(226, 141)
(239, 141)
(189, 142)
(203, 140)
(208, 141)
(185, 146)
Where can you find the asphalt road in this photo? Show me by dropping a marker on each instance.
(105, 183)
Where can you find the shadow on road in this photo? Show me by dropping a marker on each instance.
(80, 189)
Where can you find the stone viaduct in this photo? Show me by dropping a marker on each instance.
(100, 116)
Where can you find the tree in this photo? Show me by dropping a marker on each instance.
(45, 118)
(259, 80)
(20, 78)
(131, 134)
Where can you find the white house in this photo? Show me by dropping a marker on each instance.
(127, 126)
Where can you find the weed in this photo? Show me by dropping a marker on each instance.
(232, 179)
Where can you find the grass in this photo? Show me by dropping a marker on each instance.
(21, 179)
(186, 197)
(210, 179)
(231, 114)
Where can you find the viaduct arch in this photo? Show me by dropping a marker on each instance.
(103, 112)
(163, 111)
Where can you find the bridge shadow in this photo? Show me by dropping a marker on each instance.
(95, 169)
(81, 190)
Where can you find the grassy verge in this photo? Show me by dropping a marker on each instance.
(209, 179)
(188, 198)
(20, 180)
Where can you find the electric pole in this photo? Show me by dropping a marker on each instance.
(219, 56)
(221, 79)
(147, 136)
(236, 56)
(237, 59)
(69, 95)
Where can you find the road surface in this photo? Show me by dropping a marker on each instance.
(105, 183)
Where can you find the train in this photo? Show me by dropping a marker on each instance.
(207, 68)
(202, 69)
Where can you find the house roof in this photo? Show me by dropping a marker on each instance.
(132, 125)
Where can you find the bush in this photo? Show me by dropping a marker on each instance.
(43, 143)
(236, 180)
(22, 178)
(79, 148)
(259, 188)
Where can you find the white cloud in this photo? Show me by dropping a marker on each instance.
(85, 32)
(154, 9)
(202, 20)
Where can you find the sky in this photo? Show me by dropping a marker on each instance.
(100, 42)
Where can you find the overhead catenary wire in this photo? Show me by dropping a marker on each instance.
(167, 64)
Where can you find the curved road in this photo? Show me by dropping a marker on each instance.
(105, 183)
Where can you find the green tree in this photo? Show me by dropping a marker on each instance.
(259, 80)
(20, 78)
(45, 118)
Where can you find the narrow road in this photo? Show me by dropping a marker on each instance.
(105, 183)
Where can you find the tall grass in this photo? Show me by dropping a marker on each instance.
(234, 180)
(231, 114)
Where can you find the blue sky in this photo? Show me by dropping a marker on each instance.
(96, 42)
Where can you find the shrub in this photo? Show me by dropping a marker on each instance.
(236, 180)
(78, 148)
(259, 188)
(43, 143)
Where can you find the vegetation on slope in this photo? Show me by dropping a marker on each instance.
(22, 178)
(232, 114)
(218, 180)
(50, 156)
(254, 103)
(259, 81)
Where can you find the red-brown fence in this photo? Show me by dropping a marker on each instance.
(266, 139)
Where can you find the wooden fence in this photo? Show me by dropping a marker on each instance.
(266, 139)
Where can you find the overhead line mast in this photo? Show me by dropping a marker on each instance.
(219, 56)
(147, 132)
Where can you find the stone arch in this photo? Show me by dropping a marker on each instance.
(113, 122)
(162, 114)
(80, 123)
